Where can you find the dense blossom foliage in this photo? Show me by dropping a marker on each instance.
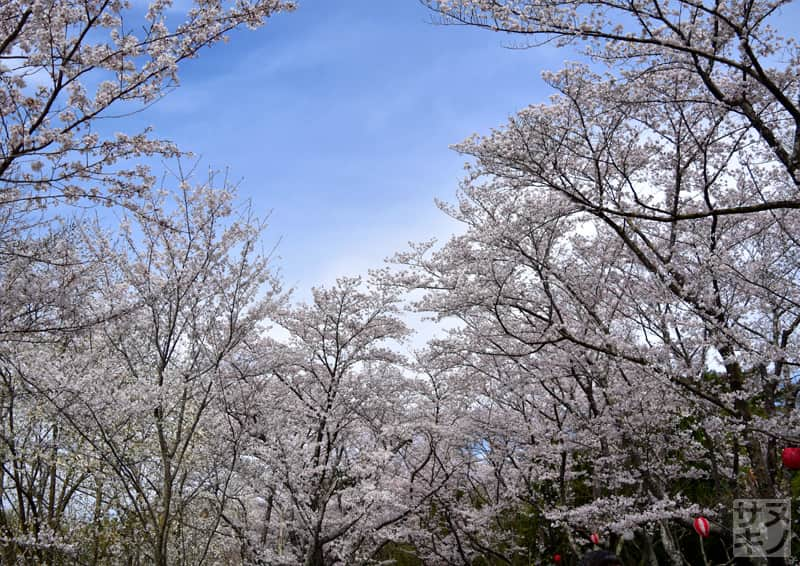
(627, 279)
(620, 315)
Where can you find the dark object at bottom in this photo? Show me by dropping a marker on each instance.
(600, 558)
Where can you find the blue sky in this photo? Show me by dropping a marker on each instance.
(337, 118)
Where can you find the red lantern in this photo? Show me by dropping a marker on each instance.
(702, 527)
(791, 458)
(557, 558)
(595, 538)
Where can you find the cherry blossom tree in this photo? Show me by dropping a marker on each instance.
(737, 52)
(625, 292)
(65, 64)
(630, 247)
(65, 67)
(140, 401)
(335, 448)
(111, 374)
(203, 290)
